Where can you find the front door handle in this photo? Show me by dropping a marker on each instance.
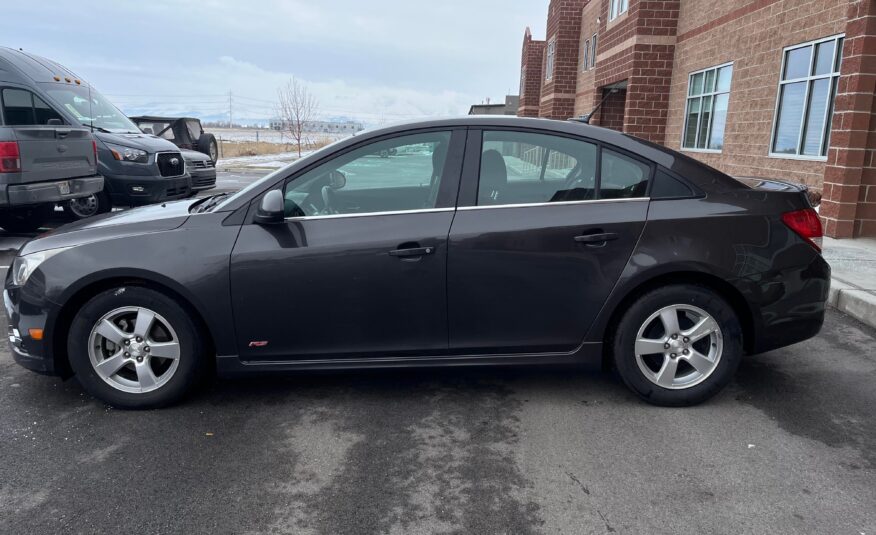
(596, 239)
(412, 252)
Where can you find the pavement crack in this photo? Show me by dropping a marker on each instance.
(578, 481)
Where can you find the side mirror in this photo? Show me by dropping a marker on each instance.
(271, 209)
(54, 122)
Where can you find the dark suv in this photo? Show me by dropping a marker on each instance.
(46, 156)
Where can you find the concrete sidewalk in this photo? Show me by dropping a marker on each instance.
(853, 288)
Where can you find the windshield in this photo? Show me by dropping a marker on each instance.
(91, 108)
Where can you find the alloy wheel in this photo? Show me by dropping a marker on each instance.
(134, 349)
(679, 346)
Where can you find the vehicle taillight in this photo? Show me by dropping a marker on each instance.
(806, 224)
(94, 150)
(10, 158)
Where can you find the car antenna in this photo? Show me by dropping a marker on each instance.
(586, 117)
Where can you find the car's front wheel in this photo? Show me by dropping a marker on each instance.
(135, 348)
(678, 345)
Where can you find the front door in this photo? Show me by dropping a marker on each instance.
(536, 253)
(359, 267)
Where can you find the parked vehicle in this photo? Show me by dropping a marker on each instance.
(487, 240)
(202, 170)
(46, 156)
(184, 132)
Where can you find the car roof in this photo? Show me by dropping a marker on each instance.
(34, 68)
(652, 151)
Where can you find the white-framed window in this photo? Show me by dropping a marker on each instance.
(805, 100)
(708, 95)
(522, 79)
(617, 7)
(593, 52)
(551, 58)
(586, 54)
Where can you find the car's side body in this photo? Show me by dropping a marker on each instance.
(500, 285)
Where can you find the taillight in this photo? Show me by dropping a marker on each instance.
(806, 224)
(10, 158)
(94, 150)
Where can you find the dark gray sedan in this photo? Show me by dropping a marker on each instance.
(474, 241)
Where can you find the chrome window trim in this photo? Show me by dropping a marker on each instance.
(561, 203)
(371, 214)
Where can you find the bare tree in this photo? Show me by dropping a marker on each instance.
(296, 108)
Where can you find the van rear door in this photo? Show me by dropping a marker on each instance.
(50, 149)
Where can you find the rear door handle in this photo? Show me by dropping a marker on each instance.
(596, 239)
(412, 252)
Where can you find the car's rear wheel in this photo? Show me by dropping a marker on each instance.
(135, 348)
(83, 207)
(678, 345)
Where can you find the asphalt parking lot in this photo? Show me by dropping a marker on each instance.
(790, 447)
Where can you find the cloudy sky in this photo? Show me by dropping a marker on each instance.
(374, 60)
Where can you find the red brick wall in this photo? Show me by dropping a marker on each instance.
(849, 207)
(752, 35)
(611, 114)
(564, 26)
(530, 87)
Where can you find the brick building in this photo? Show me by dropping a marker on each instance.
(765, 88)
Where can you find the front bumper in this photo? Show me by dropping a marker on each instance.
(203, 179)
(50, 192)
(23, 318)
(134, 190)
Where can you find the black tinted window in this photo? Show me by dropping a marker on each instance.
(622, 177)
(18, 107)
(44, 113)
(23, 108)
(668, 187)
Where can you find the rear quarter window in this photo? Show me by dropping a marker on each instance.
(667, 186)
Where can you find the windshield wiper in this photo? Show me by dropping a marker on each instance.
(99, 128)
(210, 202)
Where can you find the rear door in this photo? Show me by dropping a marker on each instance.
(537, 244)
(50, 148)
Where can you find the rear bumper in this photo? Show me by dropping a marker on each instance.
(50, 192)
(791, 304)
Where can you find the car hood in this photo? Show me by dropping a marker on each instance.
(142, 220)
(194, 156)
(146, 142)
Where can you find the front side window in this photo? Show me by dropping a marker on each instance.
(617, 7)
(551, 57)
(398, 174)
(807, 90)
(529, 168)
(23, 108)
(706, 118)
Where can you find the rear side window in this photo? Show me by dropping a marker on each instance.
(527, 168)
(667, 186)
(23, 108)
(194, 129)
(622, 177)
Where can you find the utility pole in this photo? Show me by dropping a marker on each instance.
(230, 110)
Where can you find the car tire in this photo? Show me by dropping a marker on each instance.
(144, 377)
(84, 207)
(207, 144)
(681, 365)
(26, 219)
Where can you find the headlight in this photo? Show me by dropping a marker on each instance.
(24, 266)
(127, 154)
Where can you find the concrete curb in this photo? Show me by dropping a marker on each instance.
(856, 302)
